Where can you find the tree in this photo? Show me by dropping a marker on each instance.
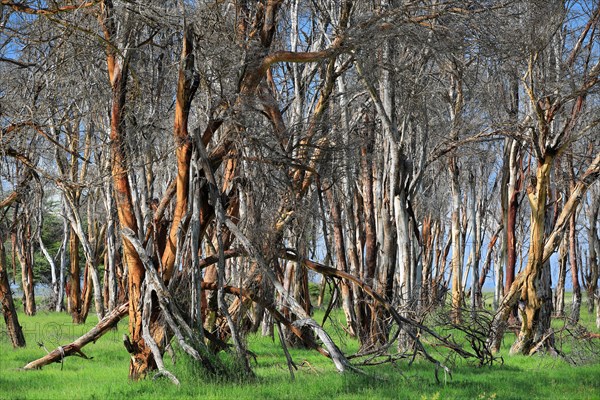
(555, 120)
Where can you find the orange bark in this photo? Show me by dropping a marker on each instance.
(141, 358)
(185, 92)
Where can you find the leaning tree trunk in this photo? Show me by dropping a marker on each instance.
(8, 306)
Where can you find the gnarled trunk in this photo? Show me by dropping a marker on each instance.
(534, 292)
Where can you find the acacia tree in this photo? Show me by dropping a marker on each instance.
(554, 121)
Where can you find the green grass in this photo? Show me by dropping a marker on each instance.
(105, 376)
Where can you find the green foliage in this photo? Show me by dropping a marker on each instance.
(52, 232)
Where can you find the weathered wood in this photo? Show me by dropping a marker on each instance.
(402, 321)
(341, 362)
(74, 348)
(182, 331)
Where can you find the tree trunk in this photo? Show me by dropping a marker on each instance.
(53, 271)
(24, 255)
(534, 292)
(457, 258)
(369, 214)
(456, 103)
(142, 359)
(75, 279)
(598, 308)
(341, 262)
(91, 246)
(402, 276)
(523, 285)
(475, 243)
(486, 265)
(576, 306)
(429, 234)
(186, 87)
(559, 296)
(111, 250)
(63, 260)
(593, 272)
(513, 190)
(9, 312)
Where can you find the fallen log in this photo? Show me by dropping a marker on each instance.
(74, 348)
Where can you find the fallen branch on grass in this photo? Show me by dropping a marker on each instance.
(74, 348)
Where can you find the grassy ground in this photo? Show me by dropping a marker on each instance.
(105, 376)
